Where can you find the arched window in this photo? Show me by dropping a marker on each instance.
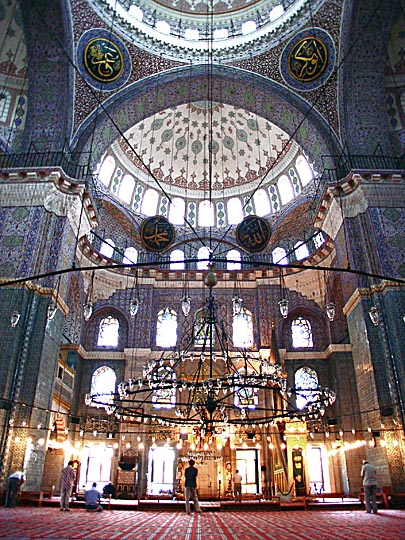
(166, 328)
(177, 259)
(106, 170)
(203, 253)
(301, 250)
(248, 27)
(206, 214)
(306, 380)
(163, 27)
(177, 211)
(136, 12)
(5, 101)
(192, 34)
(202, 329)
(126, 188)
(108, 332)
(102, 385)
(242, 327)
(233, 255)
(285, 188)
(262, 203)
(150, 202)
(301, 333)
(165, 398)
(279, 255)
(130, 255)
(304, 170)
(107, 248)
(235, 212)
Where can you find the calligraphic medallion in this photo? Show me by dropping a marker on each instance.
(157, 233)
(308, 59)
(253, 234)
(103, 60)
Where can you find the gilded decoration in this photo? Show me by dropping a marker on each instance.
(308, 59)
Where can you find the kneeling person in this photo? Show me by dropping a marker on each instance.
(92, 498)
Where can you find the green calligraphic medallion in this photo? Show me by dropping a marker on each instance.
(308, 59)
(253, 234)
(103, 60)
(157, 233)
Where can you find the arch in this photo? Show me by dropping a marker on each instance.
(103, 383)
(271, 100)
(166, 328)
(305, 379)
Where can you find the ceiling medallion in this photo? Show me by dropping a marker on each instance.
(308, 59)
(253, 234)
(103, 60)
(157, 233)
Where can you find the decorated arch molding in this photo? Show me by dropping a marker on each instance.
(229, 85)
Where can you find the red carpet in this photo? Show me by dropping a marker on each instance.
(49, 523)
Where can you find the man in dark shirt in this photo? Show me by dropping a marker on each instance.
(190, 485)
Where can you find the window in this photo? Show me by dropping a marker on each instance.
(107, 248)
(318, 239)
(279, 255)
(246, 398)
(221, 33)
(130, 256)
(136, 12)
(233, 255)
(192, 34)
(163, 27)
(301, 250)
(5, 100)
(304, 170)
(103, 384)
(242, 327)
(108, 332)
(301, 333)
(177, 211)
(177, 259)
(203, 253)
(262, 203)
(235, 212)
(126, 188)
(285, 189)
(206, 214)
(166, 328)
(106, 170)
(276, 12)
(248, 27)
(202, 329)
(150, 202)
(306, 379)
(165, 398)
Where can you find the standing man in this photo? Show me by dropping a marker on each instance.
(237, 486)
(66, 486)
(369, 475)
(190, 486)
(15, 481)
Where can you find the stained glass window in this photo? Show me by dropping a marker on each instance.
(165, 398)
(242, 329)
(306, 379)
(166, 328)
(103, 384)
(301, 333)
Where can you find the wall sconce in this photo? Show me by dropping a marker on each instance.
(374, 315)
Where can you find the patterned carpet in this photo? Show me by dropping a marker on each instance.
(49, 523)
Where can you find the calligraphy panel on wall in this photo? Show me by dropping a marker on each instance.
(157, 233)
(103, 60)
(253, 233)
(308, 59)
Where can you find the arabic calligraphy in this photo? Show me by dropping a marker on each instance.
(308, 59)
(103, 59)
(253, 233)
(157, 233)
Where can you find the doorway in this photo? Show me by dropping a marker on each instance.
(95, 466)
(247, 463)
(160, 471)
(317, 467)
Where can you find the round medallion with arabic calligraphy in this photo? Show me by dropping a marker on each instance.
(103, 60)
(308, 59)
(253, 233)
(157, 233)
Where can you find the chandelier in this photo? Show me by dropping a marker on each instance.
(208, 384)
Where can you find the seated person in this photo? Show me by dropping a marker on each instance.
(92, 497)
(109, 489)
